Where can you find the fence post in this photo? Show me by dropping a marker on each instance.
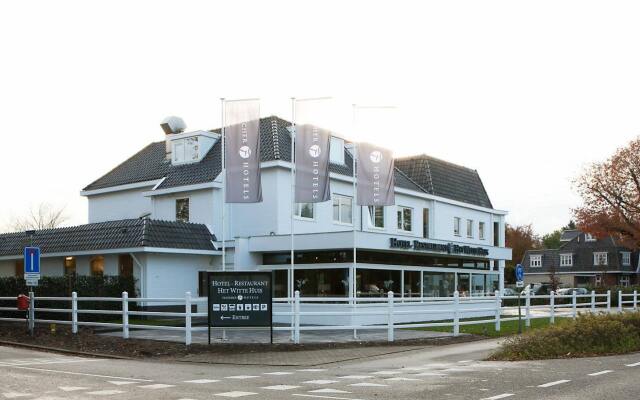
(498, 309)
(575, 305)
(296, 317)
(608, 301)
(32, 312)
(552, 305)
(527, 309)
(593, 301)
(74, 312)
(187, 318)
(456, 313)
(620, 308)
(125, 315)
(390, 301)
(635, 300)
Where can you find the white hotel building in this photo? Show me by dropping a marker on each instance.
(158, 217)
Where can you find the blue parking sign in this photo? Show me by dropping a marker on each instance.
(31, 261)
(519, 272)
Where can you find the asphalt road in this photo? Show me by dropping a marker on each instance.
(446, 372)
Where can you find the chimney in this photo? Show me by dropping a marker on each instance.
(171, 126)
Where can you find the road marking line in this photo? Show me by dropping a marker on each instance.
(368, 384)
(235, 394)
(105, 392)
(465, 361)
(549, 384)
(431, 374)
(634, 365)
(15, 395)
(601, 372)
(156, 386)
(80, 373)
(280, 387)
(120, 383)
(201, 381)
(328, 391)
(355, 377)
(500, 396)
(72, 388)
(387, 373)
(402, 379)
(242, 377)
(278, 373)
(312, 370)
(316, 396)
(320, 382)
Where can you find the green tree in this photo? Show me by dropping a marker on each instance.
(552, 240)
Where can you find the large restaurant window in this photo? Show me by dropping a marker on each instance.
(411, 283)
(182, 210)
(69, 265)
(304, 210)
(477, 285)
(404, 218)
(376, 216)
(463, 285)
(378, 282)
(439, 284)
(493, 283)
(97, 266)
(342, 209)
(322, 282)
(280, 284)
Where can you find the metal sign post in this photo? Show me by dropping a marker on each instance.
(519, 284)
(240, 300)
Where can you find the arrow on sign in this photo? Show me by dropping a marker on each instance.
(223, 317)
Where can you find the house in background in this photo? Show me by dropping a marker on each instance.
(583, 261)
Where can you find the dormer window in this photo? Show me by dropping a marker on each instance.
(589, 237)
(191, 147)
(336, 152)
(600, 258)
(185, 150)
(535, 261)
(626, 258)
(566, 260)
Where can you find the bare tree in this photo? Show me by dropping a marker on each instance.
(42, 216)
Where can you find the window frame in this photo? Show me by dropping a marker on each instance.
(372, 217)
(481, 230)
(400, 225)
(188, 199)
(627, 255)
(297, 213)
(339, 198)
(456, 226)
(596, 259)
(469, 228)
(624, 281)
(538, 263)
(564, 255)
(426, 222)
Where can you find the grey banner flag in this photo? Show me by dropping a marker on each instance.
(376, 180)
(312, 164)
(242, 133)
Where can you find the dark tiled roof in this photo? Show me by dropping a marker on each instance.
(444, 179)
(275, 144)
(128, 233)
(568, 235)
(582, 252)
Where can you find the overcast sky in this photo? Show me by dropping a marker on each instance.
(524, 92)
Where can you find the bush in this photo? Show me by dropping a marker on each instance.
(588, 335)
(63, 286)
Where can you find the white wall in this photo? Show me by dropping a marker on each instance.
(171, 275)
(118, 205)
(201, 207)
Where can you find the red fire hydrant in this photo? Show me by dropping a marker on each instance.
(23, 302)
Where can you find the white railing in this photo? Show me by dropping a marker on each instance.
(449, 311)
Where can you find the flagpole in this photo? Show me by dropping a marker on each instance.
(223, 174)
(293, 201)
(353, 215)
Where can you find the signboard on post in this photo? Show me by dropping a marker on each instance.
(31, 265)
(240, 300)
(519, 276)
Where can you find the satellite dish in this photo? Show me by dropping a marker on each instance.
(173, 124)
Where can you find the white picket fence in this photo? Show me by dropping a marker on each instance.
(451, 311)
